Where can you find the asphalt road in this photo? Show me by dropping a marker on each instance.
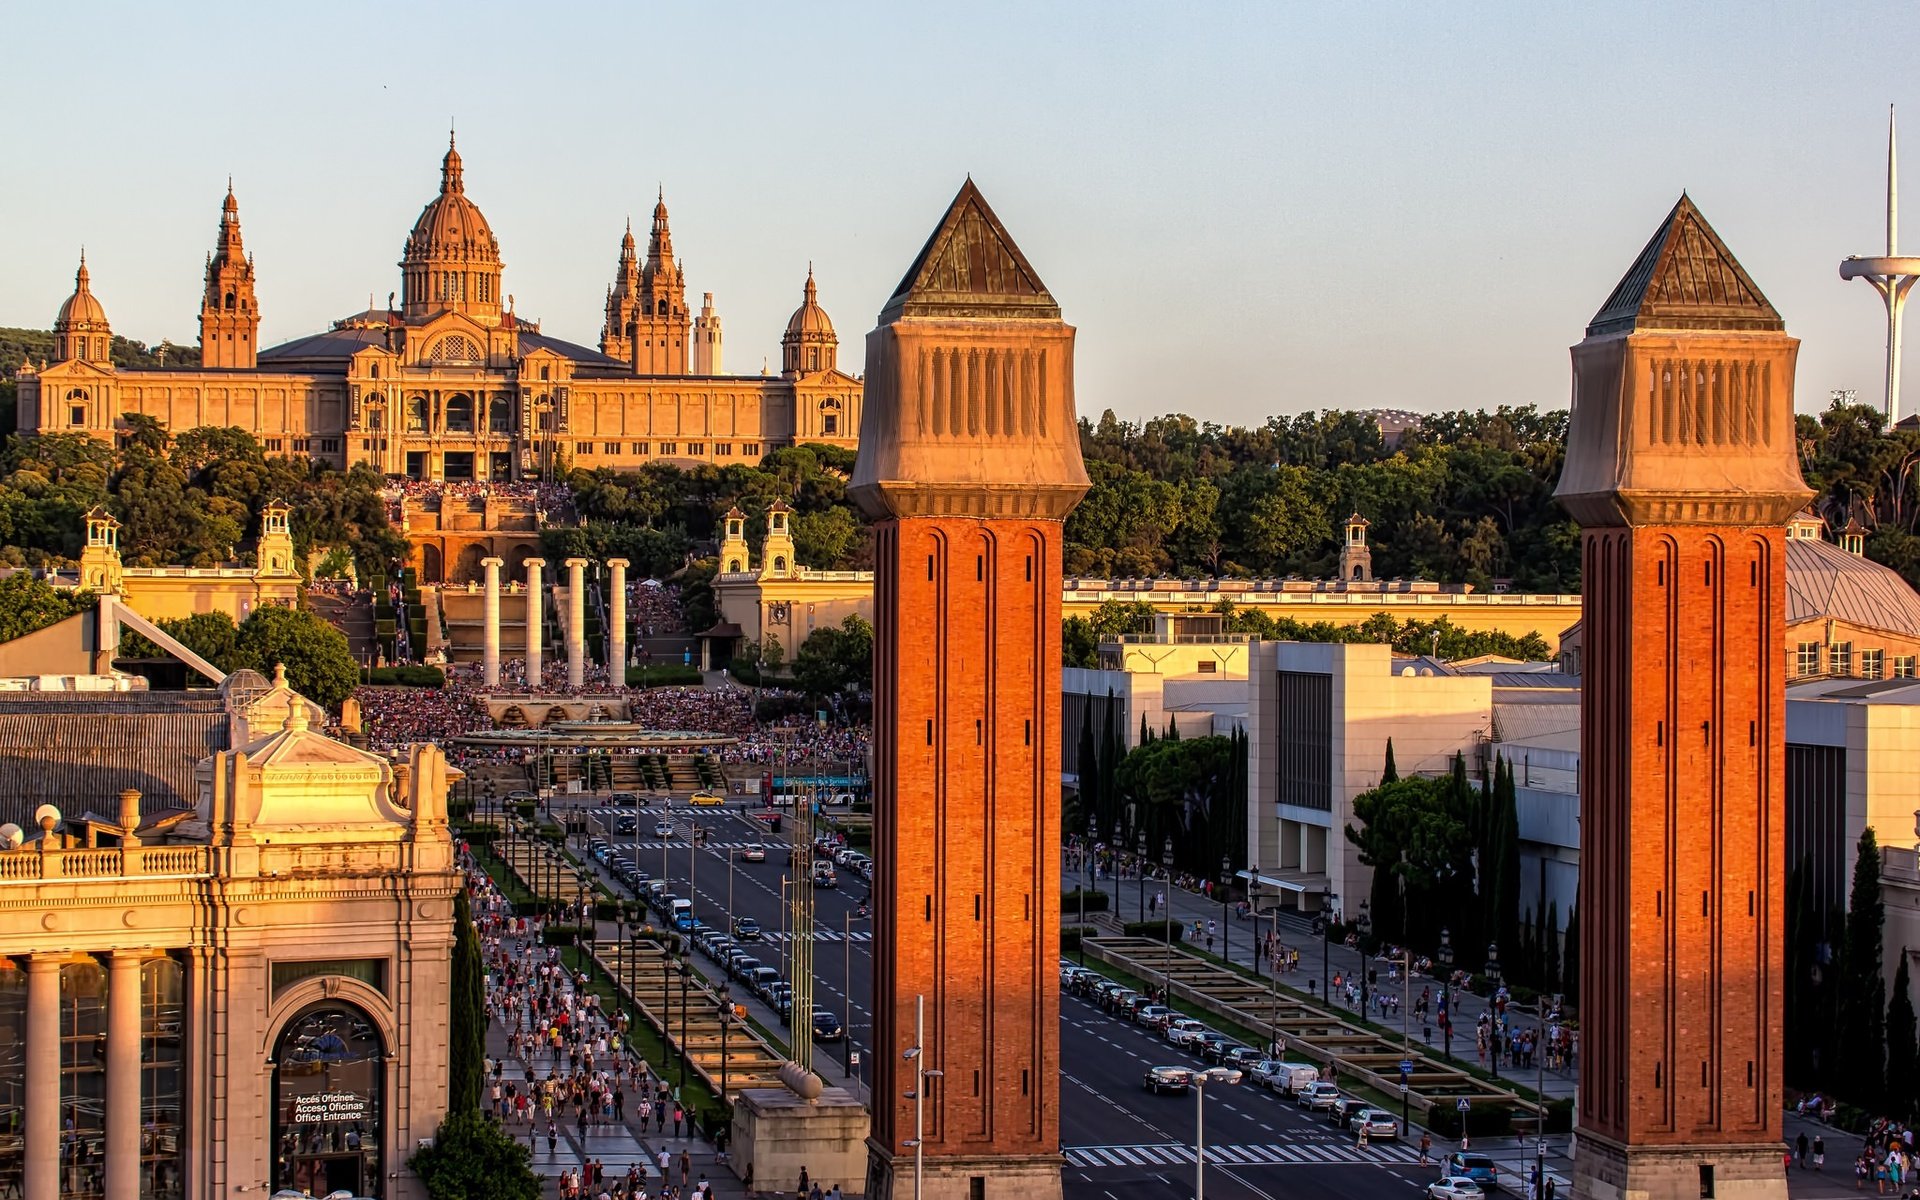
(1120, 1141)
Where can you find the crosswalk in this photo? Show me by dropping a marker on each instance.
(1276, 1154)
(822, 934)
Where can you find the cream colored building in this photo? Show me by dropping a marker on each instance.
(450, 383)
(224, 951)
(169, 593)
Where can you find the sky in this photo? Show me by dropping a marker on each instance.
(1245, 209)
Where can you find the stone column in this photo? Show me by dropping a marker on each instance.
(490, 631)
(41, 1180)
(534, 566)
(123, 1075)
(576, 622)
(617, 623)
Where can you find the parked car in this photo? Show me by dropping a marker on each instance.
(1343, 1110)
(1168, 1079)
(1153, 1016)
(1454, 1187)
(1211, 1045)
(1477, 1167)
(742, 966)
(1378, 1122)
(1217, 1051)
(1185, 1031)
(1287, 1078)
(761, 979)
(1242, 1057)
(1318, 1097)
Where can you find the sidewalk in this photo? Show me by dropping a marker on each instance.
(1241, 939)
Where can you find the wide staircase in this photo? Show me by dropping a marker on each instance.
(630, 772)
(464, 614)
(352, 615)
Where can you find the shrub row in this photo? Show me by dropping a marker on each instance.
(1161, 930)
(1095, 901)
(431, 677)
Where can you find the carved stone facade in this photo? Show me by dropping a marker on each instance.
(451, 383)
(266, 974)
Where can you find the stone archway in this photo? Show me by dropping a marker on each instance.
(467, 568)
(329, 1088)
(432, 566)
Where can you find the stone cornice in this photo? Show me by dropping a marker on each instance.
(1595, 510)
(1024, 501)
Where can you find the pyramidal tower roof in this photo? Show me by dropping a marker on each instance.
(970, 267)
(1685, 278)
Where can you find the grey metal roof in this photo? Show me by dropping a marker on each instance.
(335, 346)
(80, 750)
(1825, 581)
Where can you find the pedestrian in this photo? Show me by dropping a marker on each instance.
(1819, 1151)
(553, 1139)
(1800, 1149)
(679, 1115)
(1426, 1145)
(665, 1158)
(686, 1166)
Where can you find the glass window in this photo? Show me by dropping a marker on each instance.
(500, 415)
(459, 414)
(1905, 666)
(1842, 658)
(162, 1014)
(639, 447)
(1871, 663)
(329, 1085)
(1807, 659)
(83, 1077)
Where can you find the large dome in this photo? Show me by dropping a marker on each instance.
(452, 226)
(810, 320)
(81, 310)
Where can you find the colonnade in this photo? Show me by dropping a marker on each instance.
(40, 1164)
(576, 625)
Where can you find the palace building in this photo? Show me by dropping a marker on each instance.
(451, 384)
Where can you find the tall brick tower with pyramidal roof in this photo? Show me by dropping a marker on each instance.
(969, 463)
(1681, 471)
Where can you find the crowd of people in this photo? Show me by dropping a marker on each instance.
(548, 497)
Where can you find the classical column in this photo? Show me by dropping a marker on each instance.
(534, 566)
(490, 633)
(123, 1075)
(576, 622)
(617, 623)
(42, 1177)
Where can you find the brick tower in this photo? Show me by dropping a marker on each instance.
(969, 462)
(1681, 471)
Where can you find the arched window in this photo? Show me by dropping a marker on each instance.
(329, 1097)
(813, 359)
(229, 301)
(500, 415)
(780, 563)
(460, 414)
(454, 348)
(416, 414)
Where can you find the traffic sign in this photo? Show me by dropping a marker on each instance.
(854, 1058)
(1406, 1066)
(1463, 1106)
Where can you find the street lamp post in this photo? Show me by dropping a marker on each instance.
(1365, 925)
(1226, 921)
(1493, 978)
(1140, 864)
(1253, 908)
(1327, 897)
(916, 1054)
(685, 971)
(1199, 1085)
(1119, 847)
(1166, 860)
(725, 1003)
(1446, 990)
(1084, 889)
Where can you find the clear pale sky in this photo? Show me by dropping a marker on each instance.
(1245, 208)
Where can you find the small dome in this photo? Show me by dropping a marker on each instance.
(451, 227)
(810, 320)
(81, 308)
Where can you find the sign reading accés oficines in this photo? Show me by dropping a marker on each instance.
(329, 1106)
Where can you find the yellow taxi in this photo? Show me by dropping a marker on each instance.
(708, 799)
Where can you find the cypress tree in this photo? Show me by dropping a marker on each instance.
(1146, 734)
(1506, 818)
(1089, 772)
(1862, 1010)
(1389, 773)
(1110, 754)
(1903, 1057)
(467, 1020)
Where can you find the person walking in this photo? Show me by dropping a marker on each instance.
(1800, 1149)
(1819, 1151)
(686, 1167)
(1426, 1146)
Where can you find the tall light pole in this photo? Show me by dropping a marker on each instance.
(1892, 275)
(1140, 860)
(1084, 889)
(1166, 860)
(1327, 897)
(1446, 990)
(1253, 909)
(1226, 922)
(725, 1002)
(1199, 1085)
(1493, 977)
(1366, 928)
(916, 1054)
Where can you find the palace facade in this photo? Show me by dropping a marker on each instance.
(450, 384)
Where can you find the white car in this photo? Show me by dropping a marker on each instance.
(1186, 1031)
(663, 829)
(1454, 1187)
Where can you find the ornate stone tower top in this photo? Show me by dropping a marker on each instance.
(1356, 557)
(100, 566)
(452, 260)
(229, 310)
(969, 392)
(1683, 393)
(80, 329)
(809, 344)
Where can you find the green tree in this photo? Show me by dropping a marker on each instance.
(1903, 1057)
(1862, 1008)
(1078, 647)
(28, 605)
(1412, 834)
(211, 635)
(319, 663)
(467, 1015)
(473, 1158)
(1389, 772)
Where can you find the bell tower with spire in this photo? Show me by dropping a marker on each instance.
(451, 262)
(709, 356)
(229, 313)
(969, 464)
(662, 326)
(1682, 471)
(623, 301)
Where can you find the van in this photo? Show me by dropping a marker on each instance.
(682, 915)
(1287, 1078)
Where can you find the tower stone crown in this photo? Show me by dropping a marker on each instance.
(809, 345)
(969, 398)
(229, 310)
(452, 260)
(80, 329)
(1683, 393)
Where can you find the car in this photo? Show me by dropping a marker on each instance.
(742, 965)
(746, 929)
(1318, 1096)
(1287, 1077)
(626, 824)
(826, 1026)
(1134, 1004)
(663, 828)
(1242, 1057)
(1184, 1030)
(1477, 1167)
(1120, 1002)
(1211, 1044)
(1213, 1075)
(1153, 1016)
(1454, 1187)
(1344, 1109)
(1377, 1122)
(762, 978)
(1168, 1079)
(823, 876)
(754, 854)
(708, 799)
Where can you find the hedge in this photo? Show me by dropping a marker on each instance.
(1483, 1120)
(1070, 936)
(560, 935)
(663, 675)
(1095, 901)
(430, 677)
(1159, 931)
